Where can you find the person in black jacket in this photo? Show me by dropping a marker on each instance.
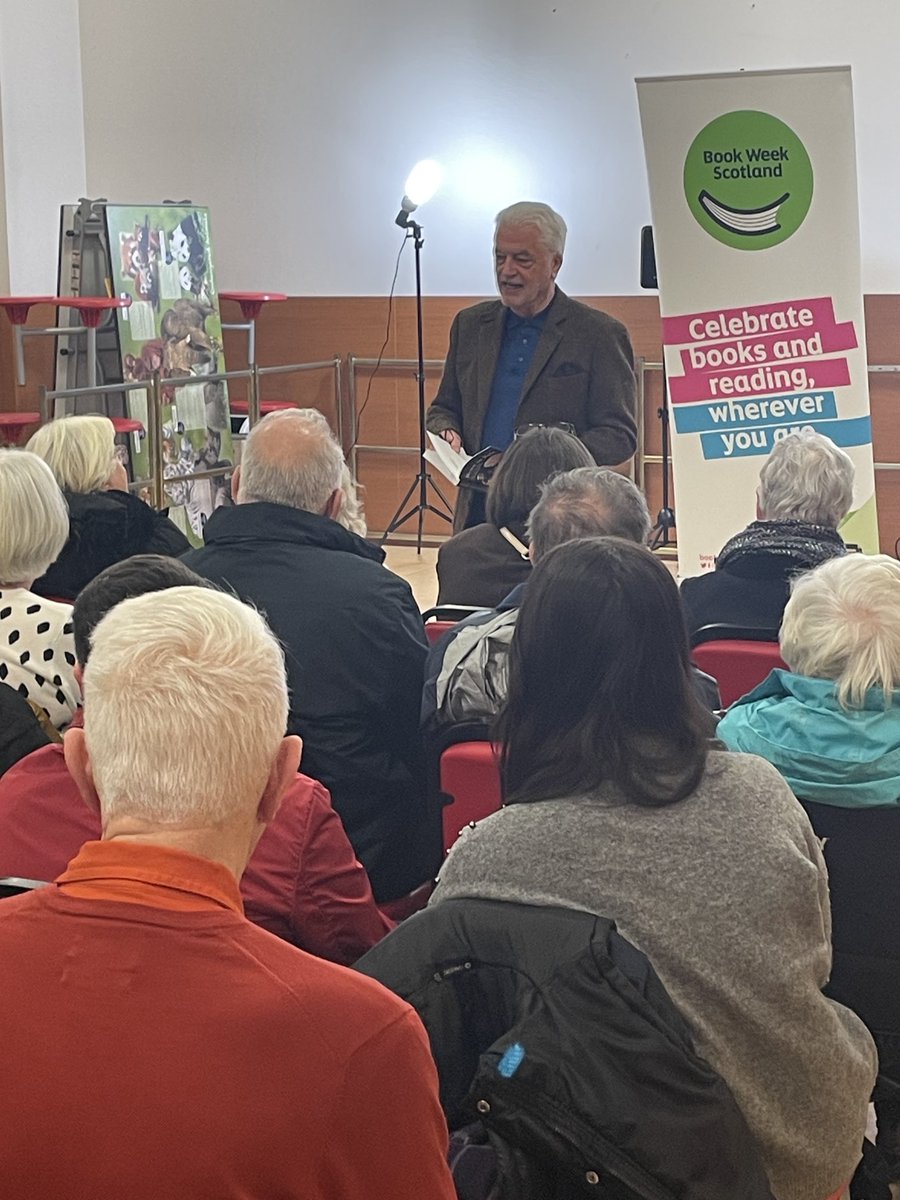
(481, 565)
(20, 728)
(353, 638)
(805, 491)
(106, 522)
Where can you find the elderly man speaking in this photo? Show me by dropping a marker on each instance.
(155, 1043)
(535, 356)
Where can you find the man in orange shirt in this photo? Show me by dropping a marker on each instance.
(155, 1043)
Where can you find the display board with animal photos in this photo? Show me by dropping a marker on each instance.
(162, 258)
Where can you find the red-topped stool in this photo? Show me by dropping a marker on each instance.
(241, 408)
(251, 306)
(12, 425)
(251, 302)
(91, 309)
(17, 309)
(127, 425)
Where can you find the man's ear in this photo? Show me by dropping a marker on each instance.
(281, 776)
(79, 765)
(531, 554)
(235, 483)
(333, 505)
(557, 263)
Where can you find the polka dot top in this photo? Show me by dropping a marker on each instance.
(37, 652)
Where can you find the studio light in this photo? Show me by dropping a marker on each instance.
(421, 184)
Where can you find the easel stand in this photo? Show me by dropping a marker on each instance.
(423, 480)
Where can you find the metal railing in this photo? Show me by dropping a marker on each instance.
(354, 364)
(154, 483)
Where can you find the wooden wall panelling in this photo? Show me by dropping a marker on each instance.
(307, 329)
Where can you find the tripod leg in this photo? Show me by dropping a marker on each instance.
(443, 499)
(396, 520)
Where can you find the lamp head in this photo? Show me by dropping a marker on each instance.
(421, 184)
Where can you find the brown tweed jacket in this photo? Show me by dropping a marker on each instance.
(582, 372)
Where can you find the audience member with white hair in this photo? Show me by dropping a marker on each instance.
(831, 725)
(106, 522)
(805, 491)
(353, 635)
(37, 651)
(221, 1061)
(303, 882)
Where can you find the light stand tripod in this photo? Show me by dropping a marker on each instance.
(423, 480)
(665, 518)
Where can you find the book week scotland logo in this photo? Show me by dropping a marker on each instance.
(748, 180)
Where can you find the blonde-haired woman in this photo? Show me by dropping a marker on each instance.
(831, 726)
(107, 523)
(37, 650)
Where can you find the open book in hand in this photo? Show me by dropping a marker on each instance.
(445, 459)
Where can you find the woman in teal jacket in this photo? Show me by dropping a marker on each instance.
(831, 726)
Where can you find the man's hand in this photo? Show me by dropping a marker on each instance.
(451, 436)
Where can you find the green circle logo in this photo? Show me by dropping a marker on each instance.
(748, 180)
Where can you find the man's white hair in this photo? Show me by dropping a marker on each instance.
(842, 623)
(291, 457)
(185, 705)
(351, 514)
(806, 478)
(80, 451)
(34, 517)
(550, 225)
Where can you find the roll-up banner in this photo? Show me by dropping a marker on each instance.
(756, 231)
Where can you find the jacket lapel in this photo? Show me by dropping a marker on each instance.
(490, 333)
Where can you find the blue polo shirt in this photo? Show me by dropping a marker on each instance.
(520, 339)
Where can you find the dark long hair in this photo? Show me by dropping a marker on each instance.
(515, 487)
(599, 681)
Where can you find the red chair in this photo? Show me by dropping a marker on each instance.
(738, 658)
(445, 616)
(470, 777)
(404, 906)
(434, 630)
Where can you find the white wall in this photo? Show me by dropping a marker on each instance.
(296, 121)
(42, 137)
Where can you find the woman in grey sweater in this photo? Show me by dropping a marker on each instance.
(615, 804)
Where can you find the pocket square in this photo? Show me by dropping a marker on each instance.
(568, 368)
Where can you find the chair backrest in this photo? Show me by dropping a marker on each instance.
(404, 906)
(470, 776)
(434, 630)
(438, 620)
(737, 665)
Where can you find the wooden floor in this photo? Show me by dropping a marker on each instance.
(417, 570)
